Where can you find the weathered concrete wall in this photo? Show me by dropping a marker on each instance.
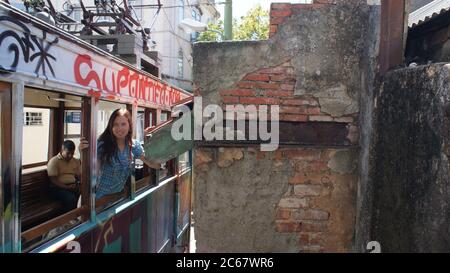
(316, 66)
(285, 201)
(365, 185)
(411, 177)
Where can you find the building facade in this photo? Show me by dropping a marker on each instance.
(173, 42)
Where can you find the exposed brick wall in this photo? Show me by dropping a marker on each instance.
(298, 198)
(275, 86)
(315, 207)
(306, 208)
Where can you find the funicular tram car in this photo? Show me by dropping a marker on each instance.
(53, 87)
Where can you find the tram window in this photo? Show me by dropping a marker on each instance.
(144, 175)
(72, 128)
(45, 127)
(36, 137)
(140, 124)
(164, 116)
(183, 161)
(105, 110)
(168, 170)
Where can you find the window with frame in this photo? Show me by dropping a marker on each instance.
(36, 136)
(44, 214)
(144, 175)
(196, 15)
(105, 110)
(168, 166)
(184, 161)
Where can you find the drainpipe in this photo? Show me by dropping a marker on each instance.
(228, 25)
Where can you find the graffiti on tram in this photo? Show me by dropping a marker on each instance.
(122, 82)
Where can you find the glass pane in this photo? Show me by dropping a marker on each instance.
(139, 164)
(140, 124)
(183, 161)
(72, 128)
(164, 116)
(36, 134)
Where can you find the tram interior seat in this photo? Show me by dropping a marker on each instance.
(36, 204)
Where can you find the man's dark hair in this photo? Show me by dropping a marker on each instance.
(69, 145)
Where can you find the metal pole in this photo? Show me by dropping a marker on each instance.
(228, 25)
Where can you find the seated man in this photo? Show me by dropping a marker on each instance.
(64, 171)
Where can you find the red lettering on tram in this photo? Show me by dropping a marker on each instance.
(138, 86)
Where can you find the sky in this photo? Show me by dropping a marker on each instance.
(241, 7)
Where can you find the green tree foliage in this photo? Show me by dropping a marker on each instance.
(213, 33)
(253, 26)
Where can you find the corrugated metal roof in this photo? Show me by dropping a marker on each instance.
(428, 12)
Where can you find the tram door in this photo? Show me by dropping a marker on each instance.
(8, 200)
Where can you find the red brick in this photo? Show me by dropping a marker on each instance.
(283, 214)
(300, 102)
(315, 238)
(316, 166)
(265, 85)
(248, 100)
(238, 92)
(288, 87)
(304, 239)
(276, 20)
(292, 117)
(280, 13)
(260, 155)
(313, 226)
(287, 227)
(312, 166)
(279, 93)
(310, 214)
(230, 99)
(273, 28)
(308, 6)
(278, 6)
(257, 77)
(278, 155)
(304, 190)
(292, 110)
(293, 202)
(313, 111)
(301, 178)
(245, 84)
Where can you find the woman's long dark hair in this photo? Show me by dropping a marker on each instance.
(109, 147)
